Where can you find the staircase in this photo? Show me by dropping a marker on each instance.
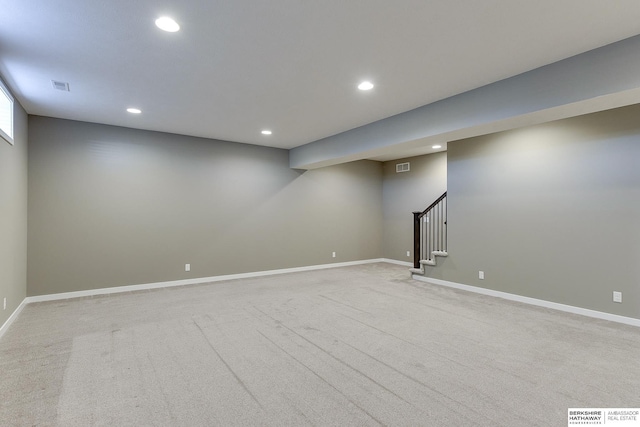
(430, 235)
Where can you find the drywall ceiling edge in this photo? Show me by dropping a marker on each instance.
(602, 78)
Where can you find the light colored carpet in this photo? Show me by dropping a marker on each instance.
(354, 346)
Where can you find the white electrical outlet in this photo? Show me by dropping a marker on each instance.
(617, 296)
(187, 267)
(481, 275)
(333, 254)
(408, 253)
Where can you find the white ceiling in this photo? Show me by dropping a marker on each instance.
(291, 66)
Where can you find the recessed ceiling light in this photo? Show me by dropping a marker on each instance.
(167, 24)
(266, 132)
(134, 110)
(435, 147)
(365, 85)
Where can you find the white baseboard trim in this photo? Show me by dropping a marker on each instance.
(395, 261)
(158, 285)
(533, 301)
(13, 317)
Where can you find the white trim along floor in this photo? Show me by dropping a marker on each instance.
(475, 289)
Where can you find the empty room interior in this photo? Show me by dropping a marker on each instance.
(414, 213)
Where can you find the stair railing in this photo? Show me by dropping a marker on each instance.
(430, 231)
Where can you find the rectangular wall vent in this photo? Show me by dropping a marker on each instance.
(402, 167)
(60, 85)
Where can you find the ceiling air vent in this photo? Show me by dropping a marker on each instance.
(402, 167)
(60, 85)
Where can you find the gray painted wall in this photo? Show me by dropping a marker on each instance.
(403, 193)
(111, 206)
(13, 216)
(550, 211)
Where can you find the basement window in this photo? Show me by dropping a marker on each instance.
(6, 113)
